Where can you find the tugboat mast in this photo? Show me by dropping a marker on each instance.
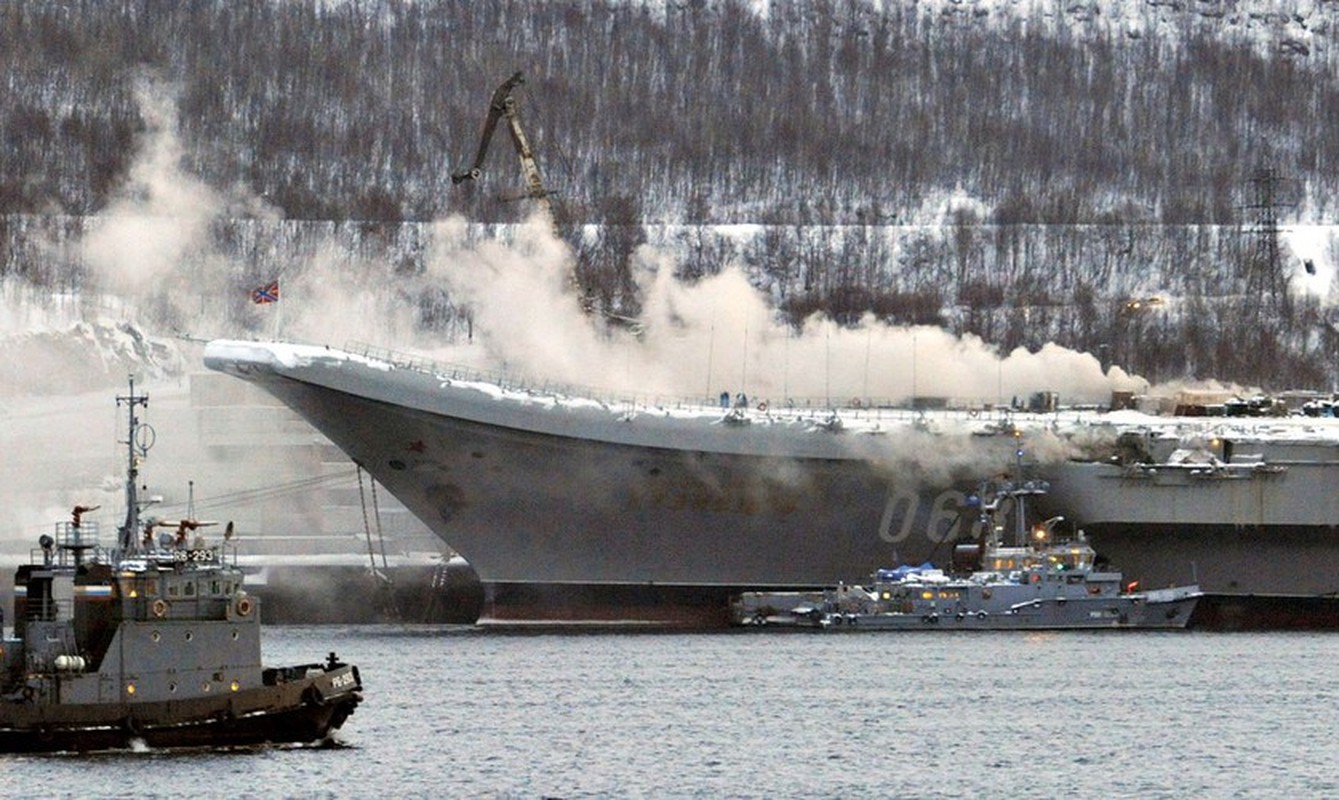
(129, 532)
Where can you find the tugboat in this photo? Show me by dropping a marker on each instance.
(152, 640)
(1037, 583)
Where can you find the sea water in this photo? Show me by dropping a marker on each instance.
(529, 713)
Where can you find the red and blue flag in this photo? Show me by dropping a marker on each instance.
(269, 293)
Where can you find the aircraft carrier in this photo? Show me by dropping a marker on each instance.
(572, 506)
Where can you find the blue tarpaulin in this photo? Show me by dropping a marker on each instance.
(903, 571)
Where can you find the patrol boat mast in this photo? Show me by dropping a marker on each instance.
(127, 539)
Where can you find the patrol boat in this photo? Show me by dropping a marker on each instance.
(1039, 582)
(152, 640)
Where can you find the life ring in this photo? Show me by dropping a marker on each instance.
(981, 614)
(855, 402)
(762, 406)
(958, 616)
(973, 413)
(28, 694)
(159, 607)
(1036, 578)
(243, 606)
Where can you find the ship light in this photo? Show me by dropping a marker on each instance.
(130, 689)
(234, 686)
(927, 595)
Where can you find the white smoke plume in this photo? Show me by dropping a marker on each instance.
(721, 334)
(160, 215)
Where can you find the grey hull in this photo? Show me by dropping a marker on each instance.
(533, 488)
(530, 491)
(1255, 532)
(1048, 615)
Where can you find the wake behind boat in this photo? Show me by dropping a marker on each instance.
(151, 639)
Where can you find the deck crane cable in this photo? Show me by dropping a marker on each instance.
(382, 578)
(250, 496)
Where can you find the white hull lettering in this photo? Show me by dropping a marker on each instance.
(946, 518)
(904, 505)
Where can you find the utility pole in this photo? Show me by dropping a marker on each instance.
(1266, 283)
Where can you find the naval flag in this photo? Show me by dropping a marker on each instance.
(269, 293)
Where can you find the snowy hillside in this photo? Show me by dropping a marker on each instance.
(1025, 171)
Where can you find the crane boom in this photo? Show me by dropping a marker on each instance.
(503, 104)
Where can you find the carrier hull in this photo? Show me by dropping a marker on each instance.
(592, 509)
(533, 493)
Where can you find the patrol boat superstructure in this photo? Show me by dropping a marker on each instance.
(1039, 582)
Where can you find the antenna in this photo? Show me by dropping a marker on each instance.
(137, 446)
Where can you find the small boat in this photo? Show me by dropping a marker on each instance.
(1038, 583)
(152, 640)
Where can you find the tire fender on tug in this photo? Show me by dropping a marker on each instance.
(312, 696)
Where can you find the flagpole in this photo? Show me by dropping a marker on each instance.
(268, 294)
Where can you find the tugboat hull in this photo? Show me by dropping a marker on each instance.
(299, 713)
(302, 711)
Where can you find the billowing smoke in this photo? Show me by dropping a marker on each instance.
(721, 335)
(153, 255)
(121, 299)
(160, 216)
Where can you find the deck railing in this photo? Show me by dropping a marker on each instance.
(855, 408)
